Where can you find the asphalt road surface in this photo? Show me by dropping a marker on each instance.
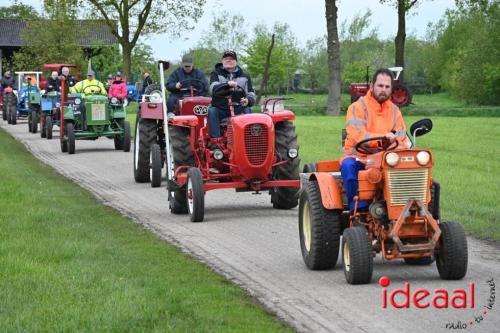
(251, 244)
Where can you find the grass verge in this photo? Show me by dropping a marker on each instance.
(69, 264)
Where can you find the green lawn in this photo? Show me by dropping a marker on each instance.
(467, 164)
(68, 263)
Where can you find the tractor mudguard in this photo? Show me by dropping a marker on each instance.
(184, 121)
(282, 116)
(331, 195)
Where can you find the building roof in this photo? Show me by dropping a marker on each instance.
(97, 31)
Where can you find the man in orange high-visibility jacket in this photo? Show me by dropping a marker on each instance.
(373, 115)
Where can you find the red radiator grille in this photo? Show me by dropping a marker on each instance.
(229, 135)
(256, 143)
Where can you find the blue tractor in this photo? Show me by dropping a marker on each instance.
(29, 98)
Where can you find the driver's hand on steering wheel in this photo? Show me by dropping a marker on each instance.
(390, 136)
(178, 85)
(232, 84)
(244, 101)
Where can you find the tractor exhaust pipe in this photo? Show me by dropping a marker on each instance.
(169, 161)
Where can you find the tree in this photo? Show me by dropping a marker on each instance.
(284, 58)
(139, 18)
(333, 47)
(18, 10)
(226, 32)
(403, 7)
(314, 62)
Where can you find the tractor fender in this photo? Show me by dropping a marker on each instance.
(331, 196)
(282, 116)
(190, 121)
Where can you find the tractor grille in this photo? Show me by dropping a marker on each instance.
(229, 135)
(407, 184)
(256, 140)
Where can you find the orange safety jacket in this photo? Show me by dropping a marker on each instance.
(367, 118)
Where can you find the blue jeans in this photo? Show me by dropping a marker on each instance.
(171, 102)
(215, 115)
(349, 170)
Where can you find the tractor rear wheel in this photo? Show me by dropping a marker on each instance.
(319, 229)
(4, 112)
(70, 131)
(309, 167)
(195, 195)
(155, 170)
(452, 256)
(357, 255)
(153, 89)
(145, 137)
(286, 139)
(34, 123)
(48, 127)
(401, 95)
(183, 156)
(126, 137)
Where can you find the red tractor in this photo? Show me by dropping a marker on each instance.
(401, 95)
(257, 152)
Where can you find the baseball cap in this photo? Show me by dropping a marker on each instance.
(187, 60)
(229, 53)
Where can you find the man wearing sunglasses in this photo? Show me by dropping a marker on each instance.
(182, 79)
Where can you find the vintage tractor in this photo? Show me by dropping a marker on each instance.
(149, 139)
(51, 113)
(258, 152)
(93, 119)
(10, 105)
(401, 95)
(402, 221)
(28, 101)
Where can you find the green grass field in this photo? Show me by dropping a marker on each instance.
(467, 164)
(68, 263)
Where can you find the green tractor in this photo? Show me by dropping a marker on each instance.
(90, 117)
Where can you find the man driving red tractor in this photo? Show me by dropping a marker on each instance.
(373, 115)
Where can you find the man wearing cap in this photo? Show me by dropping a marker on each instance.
(228, 76)
(89, 86)
(185, 77)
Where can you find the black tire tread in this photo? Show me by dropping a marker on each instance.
(182, 155)
(147, 137)
(360, 249)
(452, 257)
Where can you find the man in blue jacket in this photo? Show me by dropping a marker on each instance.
(228, 79)
(183, 78)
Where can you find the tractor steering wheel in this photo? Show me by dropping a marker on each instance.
(186, 90)
(92, 92)
(225, 91)
(385, 145)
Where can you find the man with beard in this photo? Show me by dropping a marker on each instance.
(373, 115)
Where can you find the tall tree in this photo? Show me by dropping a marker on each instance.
(18, 10)
(403, 7)
(139, 18)
(333, 47)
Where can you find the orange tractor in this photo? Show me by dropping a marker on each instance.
(402, 221)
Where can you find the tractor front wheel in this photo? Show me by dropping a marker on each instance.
(4, 112)
(13, 115)
(195, 195)
(34, 123)
(126, 137)
(319, 229)
(357, 255)
(285, 143)
(452, 256)
(70, 132)
(155, 171)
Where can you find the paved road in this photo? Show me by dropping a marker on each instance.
(257, 247)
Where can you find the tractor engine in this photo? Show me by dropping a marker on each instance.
(250, 140)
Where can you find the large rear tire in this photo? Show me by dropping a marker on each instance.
(4, 112)
(401, 95)
(145, 137)
(48, 127)
(70, 130)
(357, 255)
(155, 170)
(319, 229)
(13, 115)
(182, 155)
(452, 256)
(126, 137)
(195, 195)
(286, 139)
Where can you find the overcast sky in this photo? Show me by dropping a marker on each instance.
(305, 17)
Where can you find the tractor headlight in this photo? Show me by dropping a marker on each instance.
(114, 100)
(218, 154)
(392, 159)
(77, 101)
(423, 158)
(293, 152)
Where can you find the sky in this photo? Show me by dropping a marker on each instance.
(306, 19)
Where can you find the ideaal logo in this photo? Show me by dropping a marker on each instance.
(439, 299)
